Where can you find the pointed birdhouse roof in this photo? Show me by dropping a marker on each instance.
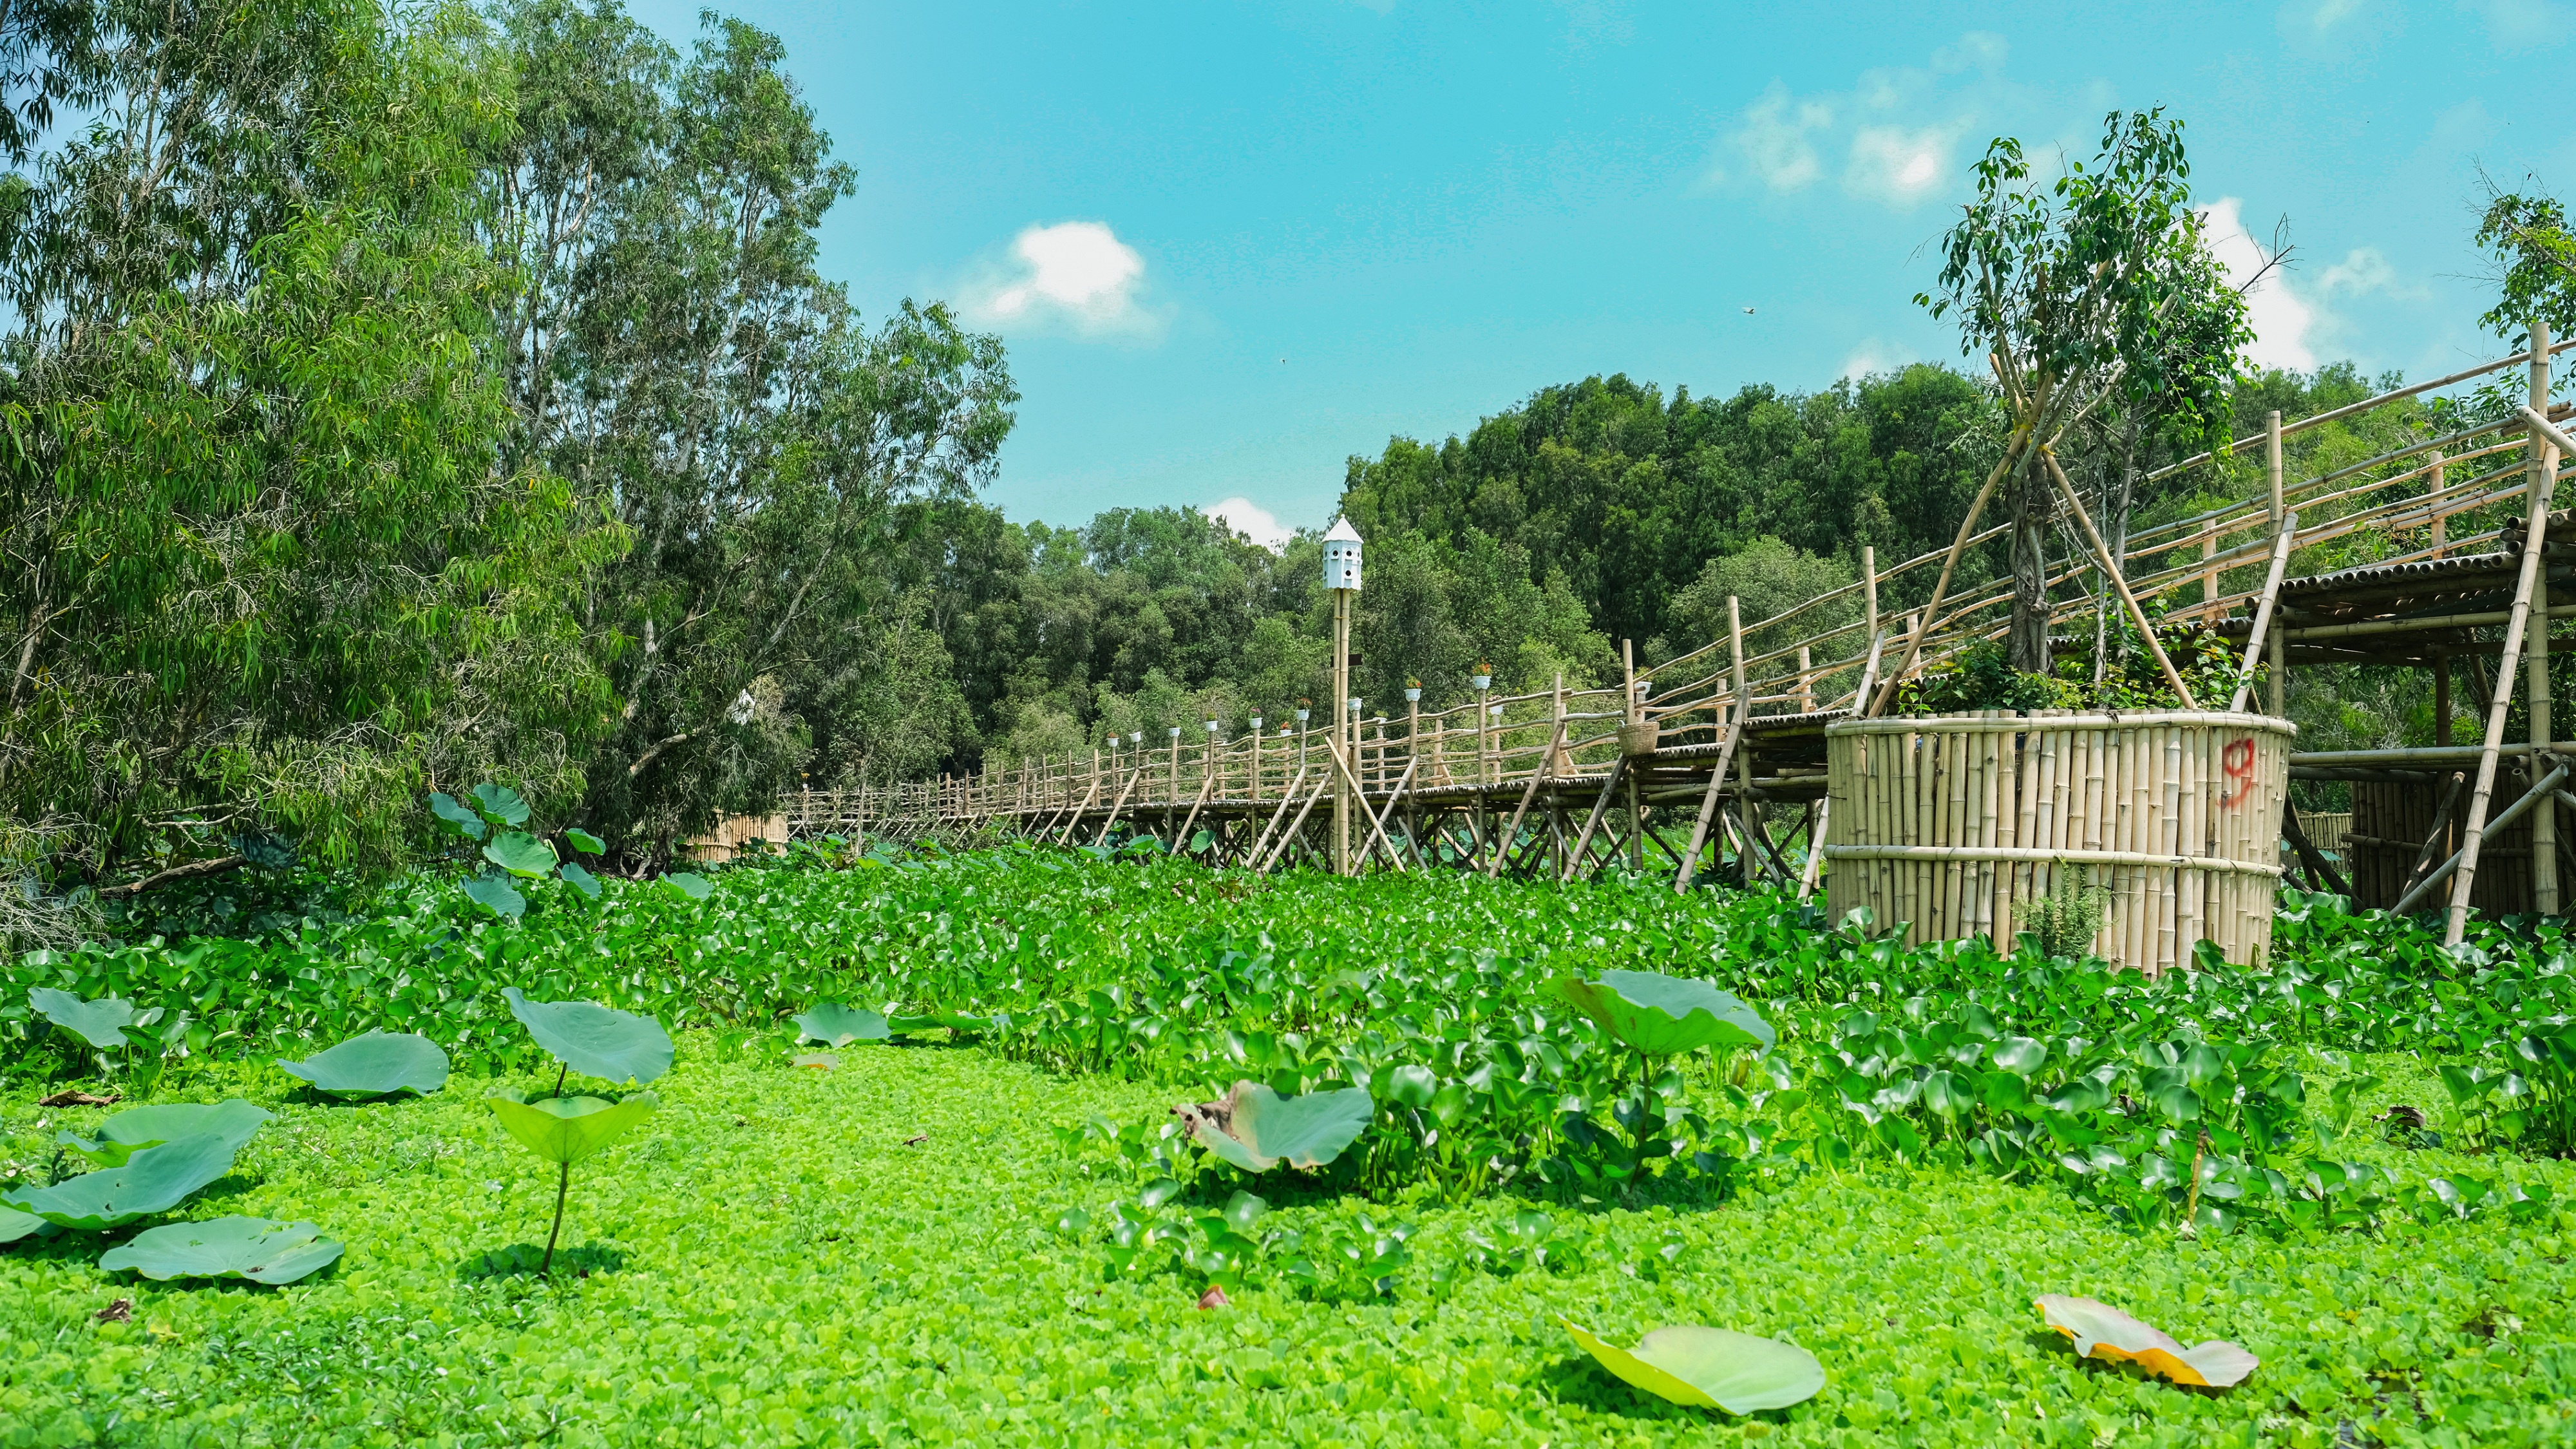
(1342, 532)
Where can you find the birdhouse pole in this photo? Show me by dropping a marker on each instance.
(1342, 576)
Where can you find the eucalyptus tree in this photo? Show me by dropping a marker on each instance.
(263, 570)
(676, 354)
(2092, 290)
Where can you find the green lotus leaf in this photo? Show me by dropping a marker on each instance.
(836, 1025)
(583, 841)
(495, 894)
(153, 1180)
(568, 1129)
(501, 805)
(136, 1128)
(595, 1040)
(375, 1065)
(1662, 1016)
(521, 854)
(695, 887)
(101, 1023)
(457, 816)
(1256, 1129)
(16, 1223)
(1711, 1368)
(2101, 1331)
(254, 1248)
(579, 879)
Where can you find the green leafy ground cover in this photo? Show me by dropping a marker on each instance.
(1942, 1136)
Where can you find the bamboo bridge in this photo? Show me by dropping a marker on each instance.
(2420, 556)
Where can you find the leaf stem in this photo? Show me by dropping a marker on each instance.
(563, 1186)
(560, 1074)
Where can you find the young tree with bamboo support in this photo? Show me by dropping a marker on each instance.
(2097, 290)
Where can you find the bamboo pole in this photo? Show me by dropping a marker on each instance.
(1280, 851)
(2434, 485)
(1941, 587)
(2463, 861)
(1600, 807)
(1494, 866)
(2254, 641)
(1261, 844)
(2280, 647)
(2111, 571)
(2465, 877)
(2543, 484)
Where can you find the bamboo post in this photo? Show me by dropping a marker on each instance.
(1494, 866)
(2280, 638)
(1744, 709)
(2209, 575)
(1574, 860)
(2441, 519)
(2462, 864)
(1869, 604)
(1806, 680)
(2543, 473)
(2464, 879)
(2264, 633)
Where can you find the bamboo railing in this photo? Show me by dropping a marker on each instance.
(2401, 504)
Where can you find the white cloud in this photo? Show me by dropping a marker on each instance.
(1076, 275)
(1897, 128)
(2281, 319)
(2316, 19)
(2362, 270)
(1252, 521)
(1898, 166)
(1873, 355)
(1979, 50)
(2522, 22)
(1773, 139)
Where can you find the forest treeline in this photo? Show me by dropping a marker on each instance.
(393, 399)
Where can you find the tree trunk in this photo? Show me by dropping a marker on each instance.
(2034, 506)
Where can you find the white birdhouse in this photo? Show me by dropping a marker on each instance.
(1342, 556)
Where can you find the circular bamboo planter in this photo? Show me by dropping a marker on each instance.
(1957, 824)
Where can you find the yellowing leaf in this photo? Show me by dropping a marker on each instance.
(2101, 1331)
(1711, 1368)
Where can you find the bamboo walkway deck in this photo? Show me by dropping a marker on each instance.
(2412, 557)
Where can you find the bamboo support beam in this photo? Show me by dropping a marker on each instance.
(2255, 640)
(2463, 860)
(1511, 833)
(1600, 807)
(2456, 925)
(2111, 571)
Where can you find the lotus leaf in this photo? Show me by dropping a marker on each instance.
(100, 1023)
(1661, 1015)
(1711, 1368)
(495, 894)
(568, 1129)
(595, 1040)
(579, 879)
(695, 887)
(235, 1247)
(457, 816)
(375, 1065)
(153, 1180)
(137, 1128)
(1256, 1129)
(2101, 1331)
(521, 854)
(501, 805)
(833, 1024)
(583, 841)
(16, 1223)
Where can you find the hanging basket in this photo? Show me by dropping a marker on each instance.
(1957, 825)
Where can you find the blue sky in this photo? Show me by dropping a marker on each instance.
(1232, 244)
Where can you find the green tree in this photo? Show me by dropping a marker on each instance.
(2092, 288)
(267, 570)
